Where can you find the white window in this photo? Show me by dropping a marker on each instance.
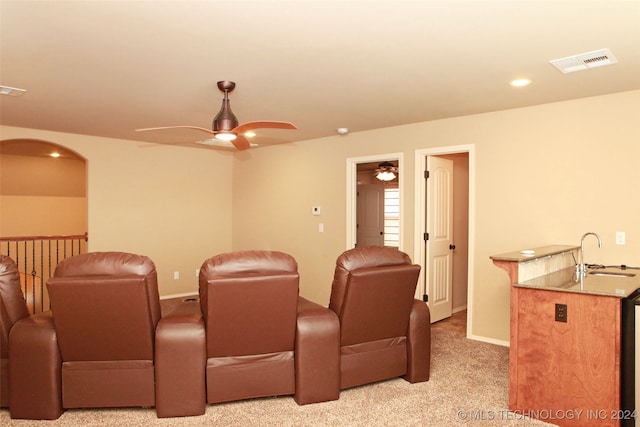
(392, 217)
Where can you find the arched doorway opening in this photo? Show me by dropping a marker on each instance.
(43, 205)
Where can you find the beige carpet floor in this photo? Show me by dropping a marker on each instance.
(468, 386)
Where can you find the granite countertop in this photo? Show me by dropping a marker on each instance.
(565, 281)
(533, 253)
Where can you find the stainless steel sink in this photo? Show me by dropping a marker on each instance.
(611, 273)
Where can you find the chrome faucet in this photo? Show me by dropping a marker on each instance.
(582, 269)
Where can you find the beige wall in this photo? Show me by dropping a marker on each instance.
(42, 196)
(42, 216)
(543, 175)
(42, 176)
(172, 204)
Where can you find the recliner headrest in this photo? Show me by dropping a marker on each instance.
(371, 256)
(248, 262)
(105, 264)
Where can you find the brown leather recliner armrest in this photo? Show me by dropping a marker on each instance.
(35, 367)
(317, 350)
(418, 343)
(180, 361)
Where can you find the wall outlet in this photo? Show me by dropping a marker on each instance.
(561, 313)
(176, 275)
(621, 237)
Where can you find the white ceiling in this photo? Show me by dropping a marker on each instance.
(108, 67)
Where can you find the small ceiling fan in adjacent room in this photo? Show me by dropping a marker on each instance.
(225, 124)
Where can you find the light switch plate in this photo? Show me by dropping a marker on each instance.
(621, 237)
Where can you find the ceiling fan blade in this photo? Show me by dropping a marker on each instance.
(241, 143)
(263, 125)
(209, 131)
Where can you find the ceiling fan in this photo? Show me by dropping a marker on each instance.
(225, 125)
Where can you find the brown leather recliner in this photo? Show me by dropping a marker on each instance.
(43, 357)
(106, 309)
(12, 309)
(263, 339)
(384, 331)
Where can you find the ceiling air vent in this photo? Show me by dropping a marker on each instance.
(584, 61)
(11, 91)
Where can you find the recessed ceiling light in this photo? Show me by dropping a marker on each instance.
(520, 82)
(343, 131)
(55, 154)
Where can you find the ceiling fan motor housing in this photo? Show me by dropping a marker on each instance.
(225, 120)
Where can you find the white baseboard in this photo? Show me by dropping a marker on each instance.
(188, 294)
(488, 340)
(458, 309)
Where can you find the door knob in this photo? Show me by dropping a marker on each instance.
(452, 247)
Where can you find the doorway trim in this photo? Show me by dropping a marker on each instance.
(420, 218)
(352, 190)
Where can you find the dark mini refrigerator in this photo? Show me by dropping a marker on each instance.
(630, 361)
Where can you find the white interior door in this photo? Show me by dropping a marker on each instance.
(370, 215)
(439, 245)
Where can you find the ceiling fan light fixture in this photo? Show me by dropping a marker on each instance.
(386, 171)
(385, 176)
(212, 142)
(226, 136)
